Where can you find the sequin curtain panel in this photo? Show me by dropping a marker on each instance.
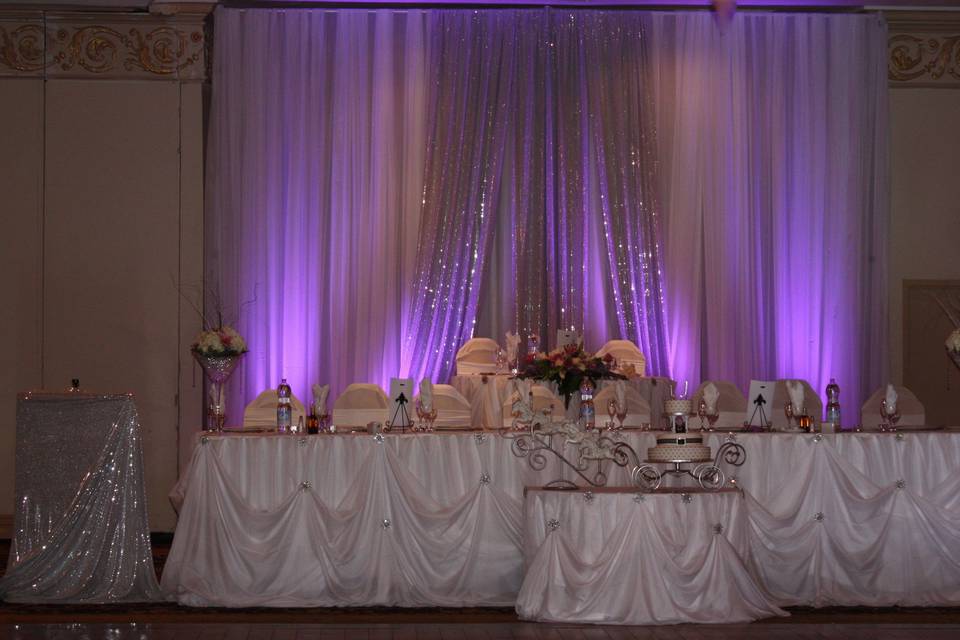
(772, 141)
(314, 183)
(475, 74)
(575, 241)
(82, 534)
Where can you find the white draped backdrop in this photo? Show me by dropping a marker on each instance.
(383, 184)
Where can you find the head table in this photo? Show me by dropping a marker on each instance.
(438, 520)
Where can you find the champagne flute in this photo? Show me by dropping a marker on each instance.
(621, 414)
(789, 412)
(611, 411)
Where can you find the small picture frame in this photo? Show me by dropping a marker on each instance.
(401, 403)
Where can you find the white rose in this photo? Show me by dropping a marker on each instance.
(953, 341)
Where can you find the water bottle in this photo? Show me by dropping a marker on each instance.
(833, 404)
(587, 414)
(284, 408)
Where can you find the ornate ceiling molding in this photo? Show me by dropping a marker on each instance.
(103, 46)
(923, 49)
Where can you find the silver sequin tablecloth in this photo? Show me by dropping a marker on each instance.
(81, 532)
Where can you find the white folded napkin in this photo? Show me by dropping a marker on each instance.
(710, 397)
(891, 399)
(426, 394)
(513, 345)
(620, 391)
(796, 392)
(320, 394)
(521, 393)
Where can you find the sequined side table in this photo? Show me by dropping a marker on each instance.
(80, 530)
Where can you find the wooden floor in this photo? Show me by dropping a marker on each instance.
(169, 621)
(514, 631)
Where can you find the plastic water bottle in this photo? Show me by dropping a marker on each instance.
(833, 404)
(284, 408)
(587, 414)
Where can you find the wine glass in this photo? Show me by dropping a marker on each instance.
(702, 413)
(611, 411)
(422, 415)
(789, 412)
(891, 417)
(621, 414)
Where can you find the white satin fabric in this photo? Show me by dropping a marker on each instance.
(453, 410)
(488, 394)
(638, 409)
(627, 558)
(911, 410)
(626, 353)
(302, 521)
(251, 533)
(477, 355)
(811, 402)
(360, 404)
(732, 404)
(262, 412)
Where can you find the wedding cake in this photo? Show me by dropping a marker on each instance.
(677, 445)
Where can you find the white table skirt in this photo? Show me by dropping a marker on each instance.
(268, 521)
(619, 557)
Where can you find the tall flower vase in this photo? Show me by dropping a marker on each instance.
(218, 370)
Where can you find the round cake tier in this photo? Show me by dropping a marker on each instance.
(673, 407)
(679, 453)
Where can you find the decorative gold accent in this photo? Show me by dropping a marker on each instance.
(21, 48)
(932, 57)
(125, 46)
(923, 48)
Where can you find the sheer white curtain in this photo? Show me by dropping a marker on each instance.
(315, 176)
(772, 146)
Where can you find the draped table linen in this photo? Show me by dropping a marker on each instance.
(80, 530)
(621, 557)
(436, 519)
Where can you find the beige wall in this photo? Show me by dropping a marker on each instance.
(925, 218)
(101, 185)
(21, 260)
(925, 196)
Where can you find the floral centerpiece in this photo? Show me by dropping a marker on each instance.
(567, 367)
(953, 346)
(220, 342)
(218, 351)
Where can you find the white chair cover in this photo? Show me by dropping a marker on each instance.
(912, 412)
(478, 355)
(638, 409)
(359, 404)
(453, 410)
(262, 412)
(542, 399)
(811, 400)
(626, 353)
(732, 404)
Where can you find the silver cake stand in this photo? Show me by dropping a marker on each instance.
(707, 473)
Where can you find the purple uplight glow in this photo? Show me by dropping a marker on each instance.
(382, 181)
